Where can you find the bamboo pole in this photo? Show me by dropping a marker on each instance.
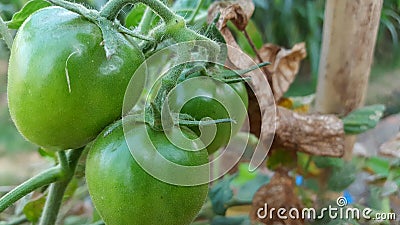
(349, 36)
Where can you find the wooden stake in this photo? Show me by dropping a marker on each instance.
(350, 30)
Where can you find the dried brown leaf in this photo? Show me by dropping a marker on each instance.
(278, 193)
(285, 64)
(239, 12)
(391, 148)
(321, 135)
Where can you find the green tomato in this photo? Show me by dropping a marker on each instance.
(62, 90)
(125, 194)
(207, 106)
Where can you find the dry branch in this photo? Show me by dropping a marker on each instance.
(321, 135)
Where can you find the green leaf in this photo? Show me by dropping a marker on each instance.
(327, 162)
(311, 183)
(342, 177)
(5, 33)
(244, 175)
(375, 199)
(135, 15)
(29, 8)
(363, 119)
(391, 28)
(186, 8)
(281, 157)
(247, 190)
(378, 165)
(213, 33)
(71, 188)
(220, 194)
(33, 209)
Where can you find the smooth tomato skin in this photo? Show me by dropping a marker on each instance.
(62, 91)
(124, 194)
(201, 107)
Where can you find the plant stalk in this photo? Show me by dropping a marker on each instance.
(196, 11)
(175, 24)
(113, 7)
(145, 23)
(46, 177)
(57, 190)
(53, 202)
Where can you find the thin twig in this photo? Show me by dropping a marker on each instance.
(145, 23)
(125, 30)
(253, 47)
(194, 14)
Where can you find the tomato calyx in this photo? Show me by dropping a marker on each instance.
(158, 122)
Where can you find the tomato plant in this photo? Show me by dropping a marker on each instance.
(124, 193)
(62, 98)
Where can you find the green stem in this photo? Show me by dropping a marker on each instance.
(175, 24)
(75, 7)
(57, 190)
(125, 30)
(194, 14)
(5, 33)
(53, 202)
(46, 177)
(169, 81)
(62, 157)
(113, 7)
(145, 23)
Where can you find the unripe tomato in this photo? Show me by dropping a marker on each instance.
(201, 107)
(62, 90)
(125, 194)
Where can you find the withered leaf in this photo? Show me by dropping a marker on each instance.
(278, 193)
(239, 12)
(285, 64)
(321, 135)
(391, 148)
